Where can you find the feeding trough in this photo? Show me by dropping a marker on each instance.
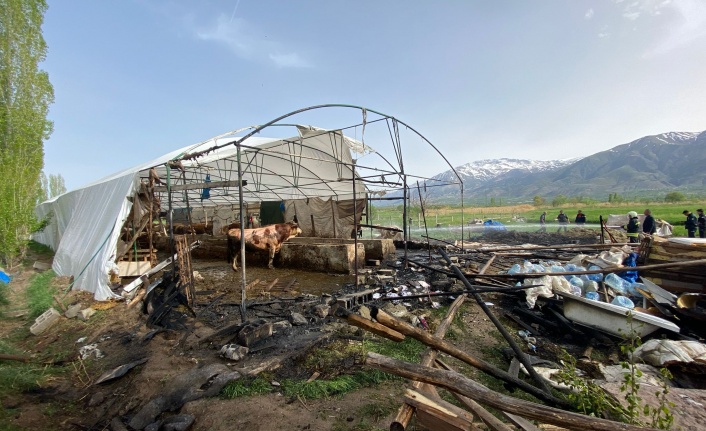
(611, 318)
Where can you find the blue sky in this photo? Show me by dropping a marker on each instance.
(550, 79)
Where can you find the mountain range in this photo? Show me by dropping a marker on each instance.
(649, 166)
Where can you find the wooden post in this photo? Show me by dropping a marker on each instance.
(456, 382)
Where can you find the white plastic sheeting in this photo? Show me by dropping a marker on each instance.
(85, 223)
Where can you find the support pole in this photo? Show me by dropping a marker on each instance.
(424, 216)
(243, 278)
(355, 228)
(404, 218)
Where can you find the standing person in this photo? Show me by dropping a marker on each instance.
(690, 223)
(580, 218)
(543, 222)
(701, 223)
(563, 220)
(649, 227)
(633, 227)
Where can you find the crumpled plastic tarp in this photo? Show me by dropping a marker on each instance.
(665, 352)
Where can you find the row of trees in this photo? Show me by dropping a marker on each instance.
(25, 96)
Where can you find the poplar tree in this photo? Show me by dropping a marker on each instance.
(25, 96)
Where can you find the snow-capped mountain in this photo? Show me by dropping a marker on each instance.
(490, 169)
(648, 166)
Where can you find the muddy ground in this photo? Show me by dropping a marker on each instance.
(168, 380)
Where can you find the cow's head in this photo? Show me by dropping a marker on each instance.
(295, 229)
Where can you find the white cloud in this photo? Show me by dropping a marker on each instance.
(248, 42)
(589, 14)
(638, 8)
(289, 60)
(688, 25)
(632, 16)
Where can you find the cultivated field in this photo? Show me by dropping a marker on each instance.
(524, 217)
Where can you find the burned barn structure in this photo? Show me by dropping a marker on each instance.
(322, 178)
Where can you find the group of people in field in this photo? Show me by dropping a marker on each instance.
(633, 226)
(563, 220)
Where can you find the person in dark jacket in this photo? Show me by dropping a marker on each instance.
(701, 223)
(649, 226)
(633, 227)
(690, 224)
(543, 222)
(580, 218)
(563, 220)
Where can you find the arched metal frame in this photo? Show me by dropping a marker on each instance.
(247, 159)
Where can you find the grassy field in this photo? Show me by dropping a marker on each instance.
(447, 217)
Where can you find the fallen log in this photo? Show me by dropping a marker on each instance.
(6, 357)
(446, 347)
(368, 325)
(456, 382)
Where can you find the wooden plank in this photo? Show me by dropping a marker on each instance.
(133, 269)
(521, 422)
(138, 282)
(195, 186)
(438, 414)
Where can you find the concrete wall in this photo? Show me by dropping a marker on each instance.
(379, 249)
(336, 258)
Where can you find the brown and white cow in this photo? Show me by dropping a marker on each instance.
(267, 238)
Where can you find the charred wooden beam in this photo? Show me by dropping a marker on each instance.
(456, 382)
(368, 325)
(446, 347)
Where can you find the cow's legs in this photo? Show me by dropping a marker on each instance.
(271, 251)
(235, 261)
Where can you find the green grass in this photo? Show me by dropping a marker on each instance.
(6, 416)
(40, 293)
(246, 388)
(40, 249)
(3, 294)
(17, 376)
(332, 356)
